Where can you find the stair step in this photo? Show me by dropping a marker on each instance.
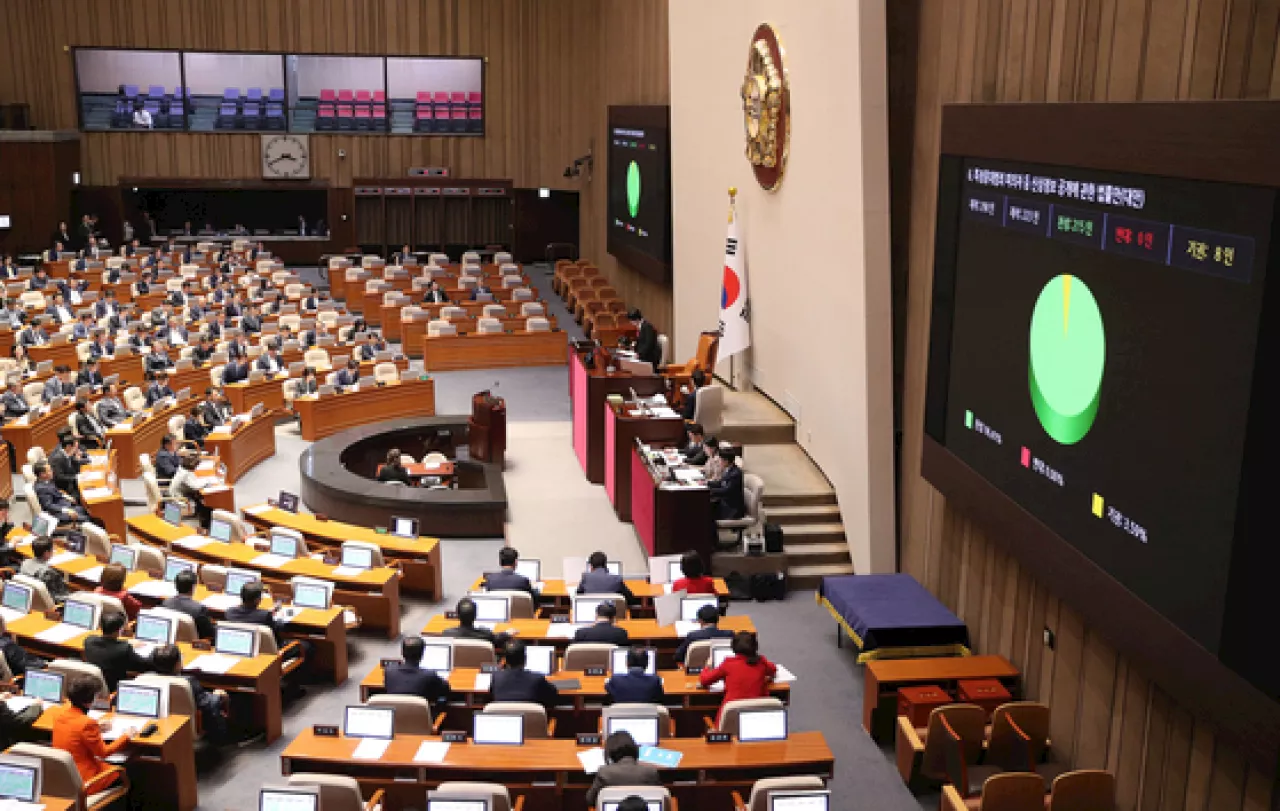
(804, 514)
(815, 553)
(816, 499)
(810, 576)
(803, 534)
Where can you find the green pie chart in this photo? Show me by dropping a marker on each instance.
(1068, 356)
(633, 188)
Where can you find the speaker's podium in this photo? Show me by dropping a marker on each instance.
(487, 428)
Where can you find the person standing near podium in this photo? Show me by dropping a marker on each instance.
(646, 344)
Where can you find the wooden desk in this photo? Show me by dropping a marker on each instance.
(670, 519)
(6, 479)
(498, 350)
(623, 425)
(129, 367)
(107, 507)
(417, 558)
(27, 432)
(323, 416)
(162, 766)
(588, 389)
(374, 594)
(269, 391)
(249, 444)
(883, 677)
(548, 771)
(558, 594)
(63, 354)
(131, 440)
(258, 676)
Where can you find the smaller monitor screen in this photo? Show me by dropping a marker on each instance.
(762, 725)
(237, 578)
(288, 799)
(19, 782)
(404, 527)
(174, 566)
(614, 805)
(311, 595)
(153, 628)
(284, 545)
(357, 557)
(369, 722)
(584, 610)
(235, 641)
(456, 804)
(173, 513)
(43, 525)
(618, 661)
(491, 609)
(643, 728)
(674, 572)
(16, 597)
(689, 606)
(497, 728)
(530, 568)
(124, 555)
(44, 685)
(719, 653)
(288, 501)
(138, 699)
(437, 656)
(540, 659)
(614, 567)
(220, 530)
(80, 614)
(799, 801)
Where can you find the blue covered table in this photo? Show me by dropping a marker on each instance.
(892, 615)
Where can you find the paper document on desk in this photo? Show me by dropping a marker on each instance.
(431, 752)
(220, 602)
(160, 589)
(214, 663)
(221, 430)
(484, 681)
(685, 628)
(117, 726)
(94, 574)
(17, 704)
(783, 676)
(63, 557)
(258, 509)
(666, 413)
(192, 541)
(371, 749)
(347, 571)
(561, 630)
(688, 475)
(143, 649)
(10, 615)
(97, 492)
(270, 561)
(592, 760)
(19, 805)
(57, 634)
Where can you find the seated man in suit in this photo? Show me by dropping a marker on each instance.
(251, 321)
(435, 294)
(467, 628)
(694, 453)
(690, 404)
(111, 410)
(100, 345)
(167, 459)
(180, 298)
(159, 388)
(646, 343)
(90, 374)
(604, 630)
(185, 586)
(727, 494)
(479, 290)
(60, 311)
(636, 686)
(506, 578)
(158, 359)
(215, 409)
(107, 305)
(61, 384)
(39, 279)
(83, 330)
(623, 767)
(514, 683)
(34, 334)
(114, 656)
(92, 434)
(37, 566)
(213, 705)
(202, 351)
(371, 347)
(236, 371)
(409, 679)
(194, 428)
(15, 405)
(249, 613)
(349, 375)
(709, 622)
(309, 383)
(65, 461)
(270, 361)
(600, 581)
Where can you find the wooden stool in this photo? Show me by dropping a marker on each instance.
(917, 702)
(986, 693)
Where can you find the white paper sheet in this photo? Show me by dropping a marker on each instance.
(370, 749)
(19, 805)
(143, 649)
(270, 561)
(63, 557)
(591, 759)
(214, 662)
(193, 541)
(484, 681)
(94, 574)
(347, 571)
(685, 628)
(783, 676)
(97, 492)
(10, 615)
(17, 704)
(161, 589)
(221, 430)
(221, 602)
(665, 413)
(57, 634)
(431, 752)
(561, 630)
(258, 509)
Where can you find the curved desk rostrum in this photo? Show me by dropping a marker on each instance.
(332, 483)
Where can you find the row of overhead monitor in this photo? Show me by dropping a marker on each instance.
(307, 798)
(663, 569)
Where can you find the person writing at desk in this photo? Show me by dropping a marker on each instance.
(623, 767)
(599, 580)
(514, 683)
(636, 686)
(409, 679)
(79, 735)
(727, 494)
(746, 674)
(604, 629)
(695, 580)
(392, 470)
(646, 343)
(184, 486)
(506, 578)
(112, 585)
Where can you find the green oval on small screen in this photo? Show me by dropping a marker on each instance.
(633, 188)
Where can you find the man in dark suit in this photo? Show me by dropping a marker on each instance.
(514, 683)
(435, 294)
(371, 347)
(113, 655)
(15, 405)
(623, 767)
(90, 374)
(604, 630)
(251, 321)
(111, 410)
(506, 578)
(236, 371)
(62, 237)
(709, 619)
(159, 388)
(202, 351)
(726, 494)
(690, 404)
(65, 463)
(694, 453)
(349, 375)
(215, 410)
(91, 432)
(185, 583)
(270, 361)
(33, 335)
(167, 460)
(646, 346)
(248, 612)
(101, 345)
(409, 679)
(636, 686)
(600, 581)
(481, 289)
(467, 629)
(194, 428)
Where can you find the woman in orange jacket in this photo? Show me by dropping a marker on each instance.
(78, 734)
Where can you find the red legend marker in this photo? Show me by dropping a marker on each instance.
(1026, 457)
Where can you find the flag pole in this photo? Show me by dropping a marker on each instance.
(733, 202)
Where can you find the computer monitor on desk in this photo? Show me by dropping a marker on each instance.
(643, 728)
(17, 597)
(81, 613)
(437, 655)
(236, 641)
(357, 557)
(490, 609)
(20, 778)
(689, 606)
(156, 628)
(220, 530)
(540, 659)
(762, 725)
(584, 609)
(175, 566)
(818, 800)
(309, 593)
(126, 556)
(145, 700)
(497, 728)
(45, 685)
(43, 525)
(530, 568)
(369, 722)
(450, 802)
(237, 578)
(292, 798)
(403, 527)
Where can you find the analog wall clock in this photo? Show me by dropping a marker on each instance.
(286, 157)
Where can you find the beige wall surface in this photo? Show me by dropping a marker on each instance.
(817, 249)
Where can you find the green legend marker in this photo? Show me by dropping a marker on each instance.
(633, 188)
(968, 420)
(1068, 356)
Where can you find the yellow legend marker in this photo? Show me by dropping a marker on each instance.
(1066, 301)
(1097, 505)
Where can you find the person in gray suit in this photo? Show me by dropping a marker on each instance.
(506, 578)
(623, 767)
(59, 385)
(15, 405)
(600, 581)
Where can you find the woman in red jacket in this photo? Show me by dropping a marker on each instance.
(695, 580)
(746, 674)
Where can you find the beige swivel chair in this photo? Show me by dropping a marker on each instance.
(472, 654)
(582, 655)
(213, 576)
(186, 624)
(616, 794)
(150, 560)
(731, 530)
(105, 602)
(267, 644)
(412, 713)
(708, 411)
(134, 399)
(182, 701)
(297, 537)
(41, 600)
(762, 788)
(76, 669)
(386, 373)
(238, 530)
(61, 779)
(498, 796)
(97, 542)
(339, 792)
(536, 724)
(698, 654)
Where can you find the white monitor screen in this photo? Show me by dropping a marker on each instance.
(357, 557)
(456, 804)
(6, 221)
(43, 525)
(138, 699)
(311, 595)
(719, 653)
(124, 555)
(17, 597)
(644, 728)
(288, 799)
(154, 628)
(491, 609)
(649, 805)
(799, 800)
(618, 661)
(19, 782)
(81, 614)
(44, 685)
(369, 722)
(174, 566)
(498, 728)
(437, 656)
(762, 725)
(220, 530)
(689, 606)
(674, 572)
(404, 527)
(584, 610)
(614, 567)
(236, 579)
(284, 545)
(288, 501)
(540, 659)
(235, 641)
(530, 568)
(173, 513)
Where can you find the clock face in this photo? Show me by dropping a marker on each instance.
(286, 156)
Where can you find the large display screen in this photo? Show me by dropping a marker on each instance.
(639, 167)
(1095, 362)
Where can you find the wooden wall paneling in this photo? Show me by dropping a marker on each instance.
(1097, 685)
